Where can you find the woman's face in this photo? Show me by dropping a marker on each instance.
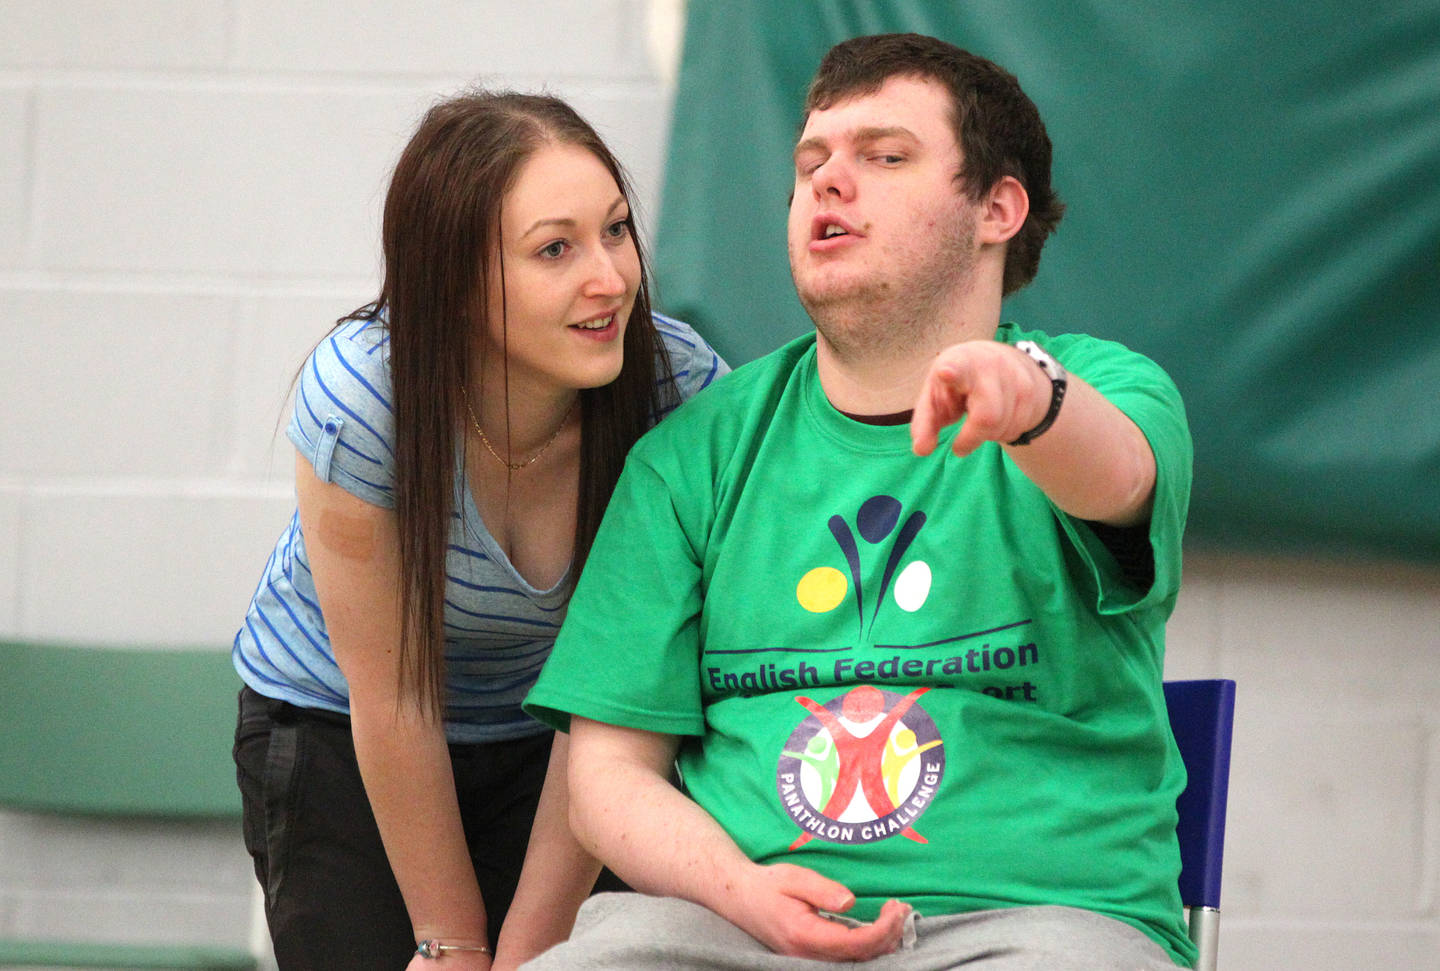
(571, 274)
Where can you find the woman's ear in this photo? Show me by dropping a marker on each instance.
(1002, 211)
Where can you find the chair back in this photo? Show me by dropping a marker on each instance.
(1202, 716)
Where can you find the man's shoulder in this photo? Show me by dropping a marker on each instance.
(765, 374)
(1010, 332)
(1067, 344)
(735, 401)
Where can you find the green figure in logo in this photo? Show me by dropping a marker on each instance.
(822, 756)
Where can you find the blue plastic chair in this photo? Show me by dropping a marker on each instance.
(1202, 716)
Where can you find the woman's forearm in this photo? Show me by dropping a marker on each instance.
(405, 764)
(557, 876)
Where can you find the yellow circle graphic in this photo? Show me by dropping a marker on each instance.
(821, 589)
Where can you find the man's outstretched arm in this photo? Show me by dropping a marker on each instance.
(1093, 462)
(620, 789)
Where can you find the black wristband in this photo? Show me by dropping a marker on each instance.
(1059, 381)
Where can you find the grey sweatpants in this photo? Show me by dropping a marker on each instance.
(636, 932)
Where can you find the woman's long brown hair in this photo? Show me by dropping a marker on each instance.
(441, 225)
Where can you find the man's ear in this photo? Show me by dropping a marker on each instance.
(1002, 211)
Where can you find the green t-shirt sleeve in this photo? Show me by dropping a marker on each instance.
(1146, 394)
(628, 652)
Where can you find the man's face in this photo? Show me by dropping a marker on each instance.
(878, 220)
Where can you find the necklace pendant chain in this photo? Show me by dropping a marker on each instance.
(516, 466)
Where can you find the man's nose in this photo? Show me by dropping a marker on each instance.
(834, 178)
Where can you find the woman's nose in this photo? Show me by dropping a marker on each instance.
(605, 276)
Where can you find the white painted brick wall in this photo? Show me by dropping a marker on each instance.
(1331, 851)
(10, 500)
(15, 135)
(90, 34)
(189, 192)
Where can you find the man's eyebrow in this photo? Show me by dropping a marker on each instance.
(811, 144)
(863, 135)
(567, 222)
(875, 134)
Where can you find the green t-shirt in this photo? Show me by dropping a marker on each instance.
(913, 675)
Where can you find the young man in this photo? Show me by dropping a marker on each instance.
(922, 690)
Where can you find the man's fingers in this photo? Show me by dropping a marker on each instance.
(831, 940)
(872, 940)
(941, 402)
(802, 932)
(815, 889)
(996, 389)
(892, 916)
(985, 409)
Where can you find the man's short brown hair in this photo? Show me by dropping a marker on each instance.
(997, 127)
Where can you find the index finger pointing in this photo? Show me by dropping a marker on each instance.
(940, 402)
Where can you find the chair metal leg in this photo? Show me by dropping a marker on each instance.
(1205, 932)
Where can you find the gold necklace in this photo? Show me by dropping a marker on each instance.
(515, 466)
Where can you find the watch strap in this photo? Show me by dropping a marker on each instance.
(1059, 382)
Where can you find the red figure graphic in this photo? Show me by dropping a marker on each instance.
(861, 757)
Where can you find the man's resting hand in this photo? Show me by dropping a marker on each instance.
(779, 905)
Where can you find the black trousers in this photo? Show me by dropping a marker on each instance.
(331, 899)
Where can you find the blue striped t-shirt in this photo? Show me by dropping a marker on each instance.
(498, 628)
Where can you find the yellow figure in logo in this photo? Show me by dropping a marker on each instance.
(900, 752)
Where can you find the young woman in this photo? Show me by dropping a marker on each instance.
(457, 439)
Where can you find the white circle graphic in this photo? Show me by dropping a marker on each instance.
(912, 586)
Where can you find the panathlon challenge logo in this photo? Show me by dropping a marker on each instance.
(865, 766)
(861, 768)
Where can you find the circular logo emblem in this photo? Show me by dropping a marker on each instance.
(861, 768)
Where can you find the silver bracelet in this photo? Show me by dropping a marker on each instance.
(434, 949)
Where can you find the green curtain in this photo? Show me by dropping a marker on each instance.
(1254, 201)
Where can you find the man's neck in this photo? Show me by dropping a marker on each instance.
(882, 378)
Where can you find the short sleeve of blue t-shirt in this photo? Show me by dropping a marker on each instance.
(344, 418)
(693, 363)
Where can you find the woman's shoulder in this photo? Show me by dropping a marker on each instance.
(355, 355)
(694, 364)
(344, 418)
(348, 374)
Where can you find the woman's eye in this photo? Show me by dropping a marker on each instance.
(617, 230)
(554, 251)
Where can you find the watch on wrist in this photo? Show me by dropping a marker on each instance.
(1059, 381)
